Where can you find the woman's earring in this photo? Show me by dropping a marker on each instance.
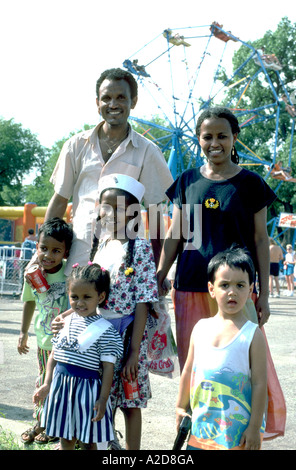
(232, 151)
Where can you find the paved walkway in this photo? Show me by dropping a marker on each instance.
(18, 376)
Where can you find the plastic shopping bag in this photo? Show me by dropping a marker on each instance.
(162, 349)
(249, 311)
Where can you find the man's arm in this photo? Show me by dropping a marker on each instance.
(57, 207)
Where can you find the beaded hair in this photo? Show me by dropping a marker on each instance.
(92, 273)
(225, 113)
(131, 241)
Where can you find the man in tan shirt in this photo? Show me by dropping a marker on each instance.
(276, 255)
(111, 147)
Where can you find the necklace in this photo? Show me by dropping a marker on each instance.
(110, 149)
(116, 144)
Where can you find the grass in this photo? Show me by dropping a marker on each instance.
(9, 441)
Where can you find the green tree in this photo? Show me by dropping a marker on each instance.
(281, 43)
(41, 190)
(20, 152)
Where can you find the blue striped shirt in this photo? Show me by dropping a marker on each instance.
(107, 348)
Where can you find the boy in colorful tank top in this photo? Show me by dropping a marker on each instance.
(224, 380)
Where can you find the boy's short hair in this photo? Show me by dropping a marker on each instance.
(57, 228)
(234, 257)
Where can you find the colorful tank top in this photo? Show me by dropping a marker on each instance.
(220, 392)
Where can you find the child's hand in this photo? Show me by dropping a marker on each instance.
(41, 394)
(57, 324)
(100, 407)
(130, 370)
(22, 346)
(180, 413)
(251, 439)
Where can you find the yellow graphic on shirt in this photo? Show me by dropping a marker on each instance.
(212, 203)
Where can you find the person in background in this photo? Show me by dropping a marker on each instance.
(29, 245)
(289, 264)
(276, 255)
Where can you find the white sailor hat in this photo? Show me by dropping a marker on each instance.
(124, 182)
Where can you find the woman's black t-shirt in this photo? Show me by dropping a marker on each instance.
(215, 214)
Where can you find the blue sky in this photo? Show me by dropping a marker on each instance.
(53, 52)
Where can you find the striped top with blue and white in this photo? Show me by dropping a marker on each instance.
(107, 348)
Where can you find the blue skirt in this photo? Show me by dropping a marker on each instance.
(69, 407)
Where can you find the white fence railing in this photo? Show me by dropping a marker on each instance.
(12, 266)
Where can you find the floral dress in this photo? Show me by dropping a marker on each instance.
(127, 290)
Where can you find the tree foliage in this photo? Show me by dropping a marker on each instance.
(41, 190)
(281, 43)
(20, 152)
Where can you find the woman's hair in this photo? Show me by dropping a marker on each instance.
(130, 199)
(234, 257)
(94, 274)
(222, 113)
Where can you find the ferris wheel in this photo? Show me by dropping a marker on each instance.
(182, 72)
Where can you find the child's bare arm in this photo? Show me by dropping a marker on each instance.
(107, 378)
(28, 312)
(42, 392)
(251, 436)
(183, 399)
(130, 370)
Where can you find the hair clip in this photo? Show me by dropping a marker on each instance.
(128, 271)
(103, 269)
(90, 263)
(75, 265)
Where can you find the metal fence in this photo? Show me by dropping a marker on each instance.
(13, 261)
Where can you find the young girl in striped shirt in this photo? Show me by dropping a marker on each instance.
(78, 405)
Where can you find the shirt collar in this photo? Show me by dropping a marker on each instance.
(92, 135)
